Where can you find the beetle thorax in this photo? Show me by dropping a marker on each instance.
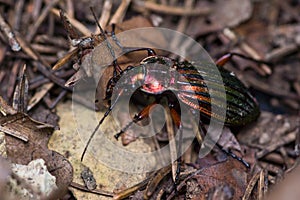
(152, 85)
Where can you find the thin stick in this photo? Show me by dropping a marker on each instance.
(172, 142)
(264, 69)
(171, 10)
(120, 13)
(105, 15)
(79, 26)
(283, 141)
(250, 186)
(15, 46)
(95, 191)
(182, 24)
(38, 22)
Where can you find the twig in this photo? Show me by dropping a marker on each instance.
(279, 53)
(105, 15)
(39, 95)
(18, 14)
(15, 46)
(182, 24)
(60, 96)
(283, 141)
(30, 51)
(156, 178)
(264, 69)
(96, 191)
(261, 185)
(79, 26)
(269, 89)
(127, 192)
(46, 49)
(250, 186)
(172, 143)
(120, 13)
(37, 5)
(45, 71)
(70, 8)
(38, 22)
(171, 10)
(13, 77)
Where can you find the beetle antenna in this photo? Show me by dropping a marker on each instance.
(224, 59)
(112, 52)
(99, 123)
(72, 33)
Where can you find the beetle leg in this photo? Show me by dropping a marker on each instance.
(227, 152)
(113, 35)
(150, 51)
(138, 117)
(231, 154)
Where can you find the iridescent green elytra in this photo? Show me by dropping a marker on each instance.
(192, 89)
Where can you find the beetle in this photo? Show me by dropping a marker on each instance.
(191, 89)
(242, 107)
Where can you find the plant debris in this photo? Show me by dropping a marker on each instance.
(35, 100)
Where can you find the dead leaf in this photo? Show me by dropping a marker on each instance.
(268, 129)
(108, 179)
(5, 108)
(228, 140)
(21, 92)
(229, 176)
(21, 152)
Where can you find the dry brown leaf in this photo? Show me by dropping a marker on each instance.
(230, 174)
(107, 179)
(38, 134)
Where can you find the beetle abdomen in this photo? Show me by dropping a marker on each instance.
(192, 89)
(241, 105)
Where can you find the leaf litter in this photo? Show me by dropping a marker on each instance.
(263, 30)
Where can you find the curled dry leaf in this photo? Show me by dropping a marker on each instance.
(38, 134)
(229, 177)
